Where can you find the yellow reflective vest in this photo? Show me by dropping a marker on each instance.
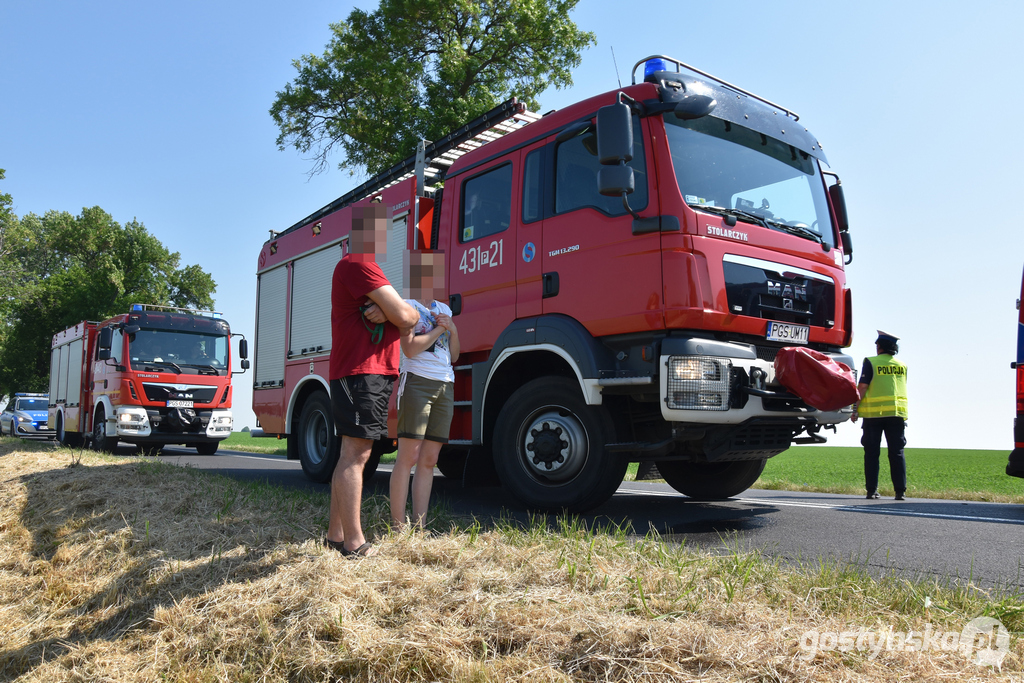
(887, 393)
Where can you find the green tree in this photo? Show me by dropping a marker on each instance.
(64, 269)
(417, 69)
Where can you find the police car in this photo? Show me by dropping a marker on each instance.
(25, 415)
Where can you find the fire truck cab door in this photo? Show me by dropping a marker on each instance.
(595, 269)
(481, 265)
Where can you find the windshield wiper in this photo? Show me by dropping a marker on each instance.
(738, 213)
(798, 230)
(165, 362)
(203, 369)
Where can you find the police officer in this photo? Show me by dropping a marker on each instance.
(883, 405)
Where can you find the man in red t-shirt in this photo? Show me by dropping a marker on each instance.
(366, 314)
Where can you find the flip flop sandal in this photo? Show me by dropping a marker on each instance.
(335, 545)
(361, 551)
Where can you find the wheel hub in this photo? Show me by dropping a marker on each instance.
(547, 445)
(554, 446)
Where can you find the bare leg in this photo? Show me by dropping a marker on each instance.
(424, 480)
(408, 454)
(347, 493)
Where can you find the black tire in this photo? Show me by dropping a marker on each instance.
(69, 439)
(100, 440)
(317, 445)
(452, 462)
(207, 448)
(549, 447)
(711, 480)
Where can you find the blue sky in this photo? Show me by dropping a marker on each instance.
(158, 111)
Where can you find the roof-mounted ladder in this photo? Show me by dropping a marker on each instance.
(433, 159)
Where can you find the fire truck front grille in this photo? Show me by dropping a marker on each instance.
(162, 392)
(777, 292)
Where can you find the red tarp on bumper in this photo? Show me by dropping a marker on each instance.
(821, 382)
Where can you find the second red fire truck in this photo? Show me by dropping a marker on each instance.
(154, 376)
(622, 271)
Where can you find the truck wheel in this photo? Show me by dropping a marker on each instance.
(69, 439)
(549, 447)
(711, 480)
(100, 440)
(318, 446)
(207, 448)
(452, 463)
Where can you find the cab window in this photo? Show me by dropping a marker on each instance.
(576, 168)
(531, 187)
(486, 204)
(116, 344)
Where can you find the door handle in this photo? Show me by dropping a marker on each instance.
(455, 303)
(550, 285)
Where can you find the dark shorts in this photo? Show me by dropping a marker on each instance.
(360, 405)
(425, 409)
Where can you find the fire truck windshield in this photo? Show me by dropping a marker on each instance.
(184, 351)
(728, 169)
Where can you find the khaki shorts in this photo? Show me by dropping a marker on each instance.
(425, 409)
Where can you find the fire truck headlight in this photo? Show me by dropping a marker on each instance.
(698, 383)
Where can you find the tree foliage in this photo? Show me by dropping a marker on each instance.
(60, 269)
(417, 69)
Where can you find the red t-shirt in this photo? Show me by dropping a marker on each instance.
(352, 349)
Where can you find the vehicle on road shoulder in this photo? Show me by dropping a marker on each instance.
(1015, 467)
(25, 415)
(154, 376)
(623, 273)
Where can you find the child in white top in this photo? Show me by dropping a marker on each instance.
(425, 393)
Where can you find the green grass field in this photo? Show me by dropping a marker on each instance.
(931, 472)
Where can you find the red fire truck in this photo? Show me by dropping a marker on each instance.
(623, 272)
(1015, 466)
(154, 376)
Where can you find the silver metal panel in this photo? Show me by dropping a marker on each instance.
(271, 309)
(311, 302)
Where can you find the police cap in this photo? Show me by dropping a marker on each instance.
(886, 339)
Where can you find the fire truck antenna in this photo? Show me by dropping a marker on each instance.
(616, 66)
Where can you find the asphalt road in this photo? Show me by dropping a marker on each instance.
(918, 538)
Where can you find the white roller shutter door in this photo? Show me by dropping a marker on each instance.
(311, 302)
(74, 353)
(396, 250)
(270, 327)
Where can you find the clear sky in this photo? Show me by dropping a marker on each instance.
(158, 111)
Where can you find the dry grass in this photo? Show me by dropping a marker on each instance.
(121, 569)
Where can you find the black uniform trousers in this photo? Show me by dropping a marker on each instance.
(894, 429)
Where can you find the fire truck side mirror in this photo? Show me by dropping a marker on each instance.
(105, 339)
(694, 106)
(847, 246)
(103, 342)
(835, 193)
(614, 134)
(243, 348)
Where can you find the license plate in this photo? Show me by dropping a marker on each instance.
(788, 333)
(174, 403)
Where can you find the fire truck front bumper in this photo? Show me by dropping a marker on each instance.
(135, 424)
(724, 383)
